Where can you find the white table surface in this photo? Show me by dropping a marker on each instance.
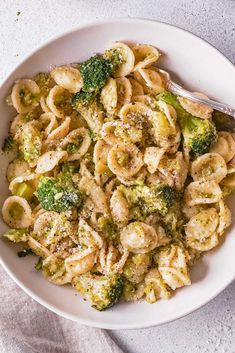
(212, 328)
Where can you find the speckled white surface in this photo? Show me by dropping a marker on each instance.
(212, 328)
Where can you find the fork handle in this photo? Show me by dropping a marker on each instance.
(180, 91)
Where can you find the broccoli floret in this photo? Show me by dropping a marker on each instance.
(199, 134)
(24, 190)
(73, 147)
(17, 235)
(136, 266)
(115, 56)
(150, 199)
(58, 194)
(70, 167)
(32, 115)
(8, 144)
(102, 291)
(25, 252)
(81, 100)
(38, 265)
(107, 227)
(95, 72)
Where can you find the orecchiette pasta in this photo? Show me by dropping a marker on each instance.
(38, 248)
(117, 184)
(60, 131)
(53, 269)
(100, 155)
(136, 88)
(95, 192)
(17, 168)
(49, 123)
(139, 238)
(136, 266)
(76, 143)
(49, 161)
(202, 192)
(81, 262)
(124, 92)
(44, 105)
(152, 157)
(16, 212)
(30, 140)
(127, 59)
(22, 183)
(17, 124)
(109, 96)
(56, 101)
(169, 112)
(125, 160)
(201, 230)
(174, 169)
(172, 263)
(67, 77)
(145, 55)
(197, 109)
(210, 166)
(155, 288)
(225, 218)
(25, 95)
(152, 79)
(225, 145)
(119, 208)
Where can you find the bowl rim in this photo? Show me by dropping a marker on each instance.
(53, 308)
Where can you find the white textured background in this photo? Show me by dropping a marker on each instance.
(212, 328)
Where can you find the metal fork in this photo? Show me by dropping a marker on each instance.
(180, 91)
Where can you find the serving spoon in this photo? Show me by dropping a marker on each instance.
(180, 91)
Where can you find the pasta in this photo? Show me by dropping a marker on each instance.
(197, 109)
(210, 166)
(145, 55)
(67, 77)
(225, 145)
(139, 238)
(25, 95)
(125, 160)
(172, 263)
(116, 184)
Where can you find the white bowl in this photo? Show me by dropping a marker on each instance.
(201, 68)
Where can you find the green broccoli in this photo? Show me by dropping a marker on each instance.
(73, 147)
(136, 266)
(81, 100)
(58, 194)
(25, 252)
(95, 72)
(115, 56)
(24, 190)
(107, 227)
(70, 167)
(38, 265)
(102, 291)
(199, 134)
(17, 235)
(32, 115)
(150, 199)
(8, 144)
